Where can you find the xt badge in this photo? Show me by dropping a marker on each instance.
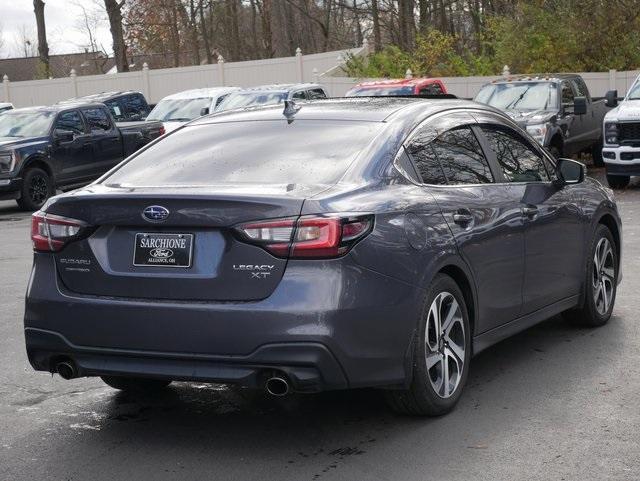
(257, 271)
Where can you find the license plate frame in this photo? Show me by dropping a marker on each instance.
(169, 254)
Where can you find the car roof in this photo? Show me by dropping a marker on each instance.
(535, 77)
(282, 87)
(59, 107)
(100, 97)
(368, 109)
(199, 93)
(400, 82)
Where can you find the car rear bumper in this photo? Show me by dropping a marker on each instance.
(334, 325)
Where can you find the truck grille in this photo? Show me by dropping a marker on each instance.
(629, 132)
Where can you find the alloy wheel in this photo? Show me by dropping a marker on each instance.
(603, 276)
(445, 344)
(38, 189)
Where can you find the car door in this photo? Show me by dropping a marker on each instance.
(483, 216)
(590, 124)
(574, 128)
(554, 247)
(105, 139)
(73, 157)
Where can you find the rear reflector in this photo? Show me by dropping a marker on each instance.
(316, 237)
(50, 233)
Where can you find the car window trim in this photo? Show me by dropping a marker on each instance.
(493, 118)
(462, 122)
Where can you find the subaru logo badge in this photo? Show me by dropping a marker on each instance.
(155, 213)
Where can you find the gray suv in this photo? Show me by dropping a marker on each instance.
(331, 245)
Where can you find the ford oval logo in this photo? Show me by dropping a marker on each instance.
(160, 253)
(155, 213)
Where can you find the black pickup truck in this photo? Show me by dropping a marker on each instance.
(62, 147)
(556, 109)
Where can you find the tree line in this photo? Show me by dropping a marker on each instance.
(430, 37)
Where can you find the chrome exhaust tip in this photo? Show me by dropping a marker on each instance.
(277, 386)
(66, 370)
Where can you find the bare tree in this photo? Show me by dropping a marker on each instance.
(24, 42)
(43, 47)
(114, 12)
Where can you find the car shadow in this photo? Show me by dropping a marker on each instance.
(526, 374)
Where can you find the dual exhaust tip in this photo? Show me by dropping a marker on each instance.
(277, 386)
(66, 369)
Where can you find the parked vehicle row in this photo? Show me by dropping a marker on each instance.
(556, 109)
(61, 147)
(333, 244)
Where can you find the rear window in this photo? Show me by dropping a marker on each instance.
(270, 152)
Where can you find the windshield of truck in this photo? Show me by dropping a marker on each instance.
(239, 100)
(520, 96)
(634, 92)
(379, 91)
(25, 124)
(179, 110)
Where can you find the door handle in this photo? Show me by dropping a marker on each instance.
(462, 218)
(529, 211)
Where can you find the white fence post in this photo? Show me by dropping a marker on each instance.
(74, 82)
(408, 74)
(5, 84)
(316, 75)
(505, 71)
(299, 64)
(612, 79)
(146, 85)
(221, 69)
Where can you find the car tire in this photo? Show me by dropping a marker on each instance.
(600, 284)
(596, 155)
(438, 352)
(134, 384)
(618, 181)
(37, 187)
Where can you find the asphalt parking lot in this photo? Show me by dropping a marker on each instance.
(552, 403)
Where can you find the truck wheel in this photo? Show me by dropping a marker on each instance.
(596, 155)
(618, 181)
(37, 187)
(600, 284)
(441, 354)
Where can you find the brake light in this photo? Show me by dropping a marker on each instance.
(50, 233)
(317, 237)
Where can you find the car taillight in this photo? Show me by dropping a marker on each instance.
(50, 233)
(316, 237)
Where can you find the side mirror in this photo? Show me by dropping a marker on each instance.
(570, 171)
(580, 106)
(611, 98)
(63, 135)
(204, 111)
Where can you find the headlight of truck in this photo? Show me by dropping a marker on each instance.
(7, 162)
(538, 132)
(611, 133)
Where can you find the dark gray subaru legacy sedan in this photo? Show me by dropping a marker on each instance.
(330, 245)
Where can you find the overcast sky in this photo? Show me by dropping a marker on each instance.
(63, 19)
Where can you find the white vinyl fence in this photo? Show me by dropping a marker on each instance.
(156, 84)
(320, 67)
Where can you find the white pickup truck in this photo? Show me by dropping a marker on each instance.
(621, 146)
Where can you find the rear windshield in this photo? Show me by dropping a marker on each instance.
(267, 152)
(239, 100)
(179, 110)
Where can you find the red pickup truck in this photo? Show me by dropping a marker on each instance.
(411, 86)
